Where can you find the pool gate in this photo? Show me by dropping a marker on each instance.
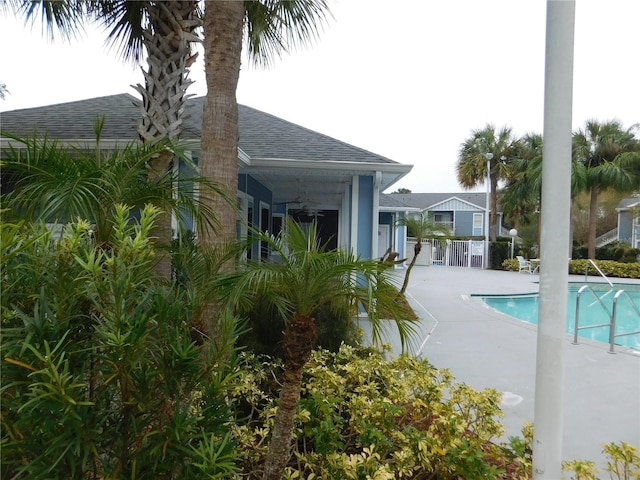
(450, 253)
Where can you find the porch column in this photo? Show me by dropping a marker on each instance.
(353, 228)
(375, 211)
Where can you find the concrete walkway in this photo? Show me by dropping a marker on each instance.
(487, 349)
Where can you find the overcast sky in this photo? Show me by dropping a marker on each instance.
(408, 80)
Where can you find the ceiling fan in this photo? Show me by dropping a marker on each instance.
(297, 200)
(309, 211)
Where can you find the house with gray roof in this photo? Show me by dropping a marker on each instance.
(628, 230)
(284, 169)
(465, 214)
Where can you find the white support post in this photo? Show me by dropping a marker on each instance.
(375, 211)
(355, 193)
(555, 217)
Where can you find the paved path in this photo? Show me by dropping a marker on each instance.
(487, 349)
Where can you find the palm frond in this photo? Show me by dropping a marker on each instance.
(66, 17)
(278, 26)
(309, 275)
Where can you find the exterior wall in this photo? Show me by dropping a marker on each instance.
(387, 218)
(400, 233)
(344, 229)
(625, 227)
(464, 222)
(365, 216)
(257, 196)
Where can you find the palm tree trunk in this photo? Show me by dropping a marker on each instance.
(593, 217)
(223, 30)
(162, 231)
(300, 338)
(416, 251)
(167, 42)
(279, 448)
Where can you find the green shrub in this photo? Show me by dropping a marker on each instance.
(578, 267)
(335, 326)
(511, 264)
(498, 252)
(100, 378)
(608, 267)
(623, 463)
(362, 416)
(615, 252)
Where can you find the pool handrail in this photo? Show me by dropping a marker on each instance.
(612, 316)
(586, 272)
(576, 328)
(612, 330)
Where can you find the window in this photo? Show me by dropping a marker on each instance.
(478, 220)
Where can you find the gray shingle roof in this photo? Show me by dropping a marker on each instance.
(627, 203)
(74, 120)
(389, 201)
(261, 135)
(424, 200)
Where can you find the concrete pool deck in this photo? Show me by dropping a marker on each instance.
(487, 349)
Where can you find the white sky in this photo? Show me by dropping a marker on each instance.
(408, 80)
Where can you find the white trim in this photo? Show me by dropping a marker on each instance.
(343, 220)
(355, 191)
(375, 201)
(244, 201)
(473, 223)
(454, 203)
(348, 166)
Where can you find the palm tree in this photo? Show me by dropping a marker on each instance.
(166, 31)
(498, 147)
(306, 277)
(420, 227)
(521, 194)
(269, 28)
(611, 156)
(53, 184)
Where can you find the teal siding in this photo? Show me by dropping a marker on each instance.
(365, 216)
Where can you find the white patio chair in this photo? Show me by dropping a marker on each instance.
(524, 265)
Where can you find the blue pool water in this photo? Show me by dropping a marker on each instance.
(592, 311)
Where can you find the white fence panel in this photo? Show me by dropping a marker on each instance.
(450, 253)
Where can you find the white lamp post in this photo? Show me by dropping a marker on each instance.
(514, 233)
(489, 156)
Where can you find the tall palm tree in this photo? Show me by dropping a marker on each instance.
(499, 147)
(420, 227)
(306, 277)
(165, 31)
(610, 155)
(269, 27)
(521, 194)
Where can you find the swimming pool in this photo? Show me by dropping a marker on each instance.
(592, 311)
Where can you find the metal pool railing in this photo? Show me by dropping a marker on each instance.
(612, 334)
(611, 313)
(586, 272)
